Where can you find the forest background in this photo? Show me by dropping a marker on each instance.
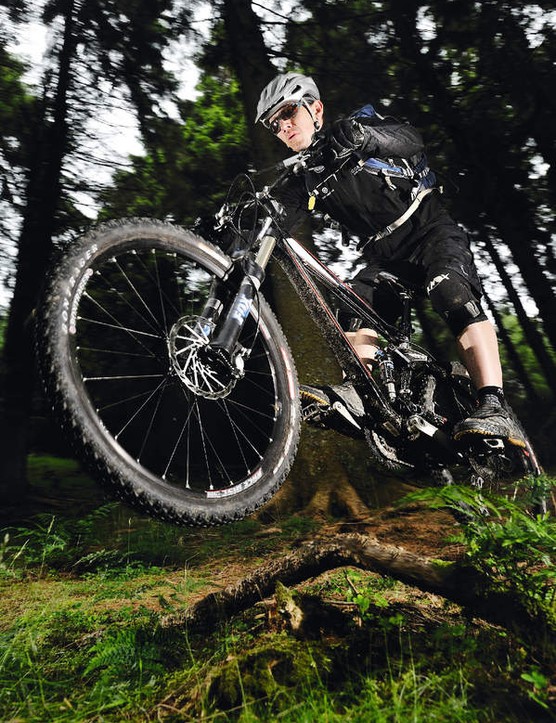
(477, 79)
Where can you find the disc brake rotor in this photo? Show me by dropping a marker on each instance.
(201, 372)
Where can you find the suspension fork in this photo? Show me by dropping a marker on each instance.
(229, 310)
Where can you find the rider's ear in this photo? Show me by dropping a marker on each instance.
(317, 112)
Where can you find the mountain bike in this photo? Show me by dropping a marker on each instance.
(170, 373)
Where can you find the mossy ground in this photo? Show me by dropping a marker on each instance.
(87, 588)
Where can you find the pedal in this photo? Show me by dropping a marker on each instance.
(493, 458)
(335, 417)
(494, 444)
(487, 446)
(313, 412)
(313, 406)
(312, 398)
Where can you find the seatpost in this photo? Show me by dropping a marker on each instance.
(405, 326)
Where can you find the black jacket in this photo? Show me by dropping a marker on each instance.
(359, 197)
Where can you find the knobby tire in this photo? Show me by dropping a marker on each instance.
(115, 329)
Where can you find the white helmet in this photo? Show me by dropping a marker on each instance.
(286, 88)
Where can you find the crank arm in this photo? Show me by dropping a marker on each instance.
(346, 414)
(417, 426)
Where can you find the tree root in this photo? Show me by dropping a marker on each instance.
(341, 495)
(454, 581)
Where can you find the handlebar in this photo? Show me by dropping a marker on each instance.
(252, 199)
(299, 160)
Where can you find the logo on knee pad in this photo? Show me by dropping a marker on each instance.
(437, 280)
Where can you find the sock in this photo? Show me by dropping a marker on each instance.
(485, 392)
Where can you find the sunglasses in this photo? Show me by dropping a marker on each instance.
(285, 114)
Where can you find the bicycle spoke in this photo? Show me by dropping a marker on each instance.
(138, 411)
(238, 432)
(123, 347)
(139, 296)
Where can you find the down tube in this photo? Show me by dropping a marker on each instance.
(288, 256)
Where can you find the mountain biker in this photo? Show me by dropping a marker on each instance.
(418, 241)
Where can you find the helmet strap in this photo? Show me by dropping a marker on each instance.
(309, 111)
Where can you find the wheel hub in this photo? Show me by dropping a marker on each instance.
(201, 369)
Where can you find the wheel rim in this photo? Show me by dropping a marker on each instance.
(132, 323)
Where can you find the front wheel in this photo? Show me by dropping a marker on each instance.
(121, 350)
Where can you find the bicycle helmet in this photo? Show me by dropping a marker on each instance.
(285, 88)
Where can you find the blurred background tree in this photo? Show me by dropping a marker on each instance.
(475, 78)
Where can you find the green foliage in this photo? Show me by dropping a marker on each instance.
(16, 109)
(403, 663)
(267, 673)
(513, 549)
(68, 664)
(368, 593)
(188, 172)
(94, 537)
(84, 636)
(527, 356)
(125, 655)
(517, 553)
(277, 677)
(52, 542)
(539, 687)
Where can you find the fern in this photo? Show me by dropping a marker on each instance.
(513, 549)
(125, 655)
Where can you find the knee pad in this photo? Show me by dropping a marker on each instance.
(455, 300)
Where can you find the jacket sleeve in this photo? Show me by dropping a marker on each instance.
(388, 137)
(293, 196)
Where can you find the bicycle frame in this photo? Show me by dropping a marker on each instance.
(301, 266)
(304, 270)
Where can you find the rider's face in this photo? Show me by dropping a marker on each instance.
(297, 130)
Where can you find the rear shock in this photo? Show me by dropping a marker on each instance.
(386, 369)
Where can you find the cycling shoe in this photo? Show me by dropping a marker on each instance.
(333, 407)
(491, 419)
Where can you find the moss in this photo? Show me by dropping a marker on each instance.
(267, 672)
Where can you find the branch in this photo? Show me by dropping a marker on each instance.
(455, 581)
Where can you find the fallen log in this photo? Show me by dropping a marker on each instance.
(456, 581)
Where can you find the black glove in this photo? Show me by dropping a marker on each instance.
(345, 136)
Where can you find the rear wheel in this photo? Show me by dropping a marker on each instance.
(124, 359)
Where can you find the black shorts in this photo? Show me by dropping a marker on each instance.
(444, 247)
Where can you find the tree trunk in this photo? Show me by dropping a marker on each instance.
(253, 69)
(314, 479)
(34, 248)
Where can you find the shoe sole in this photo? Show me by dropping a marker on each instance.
(310, 396)
(514, 441)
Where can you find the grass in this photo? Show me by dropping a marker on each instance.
(85, 590)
